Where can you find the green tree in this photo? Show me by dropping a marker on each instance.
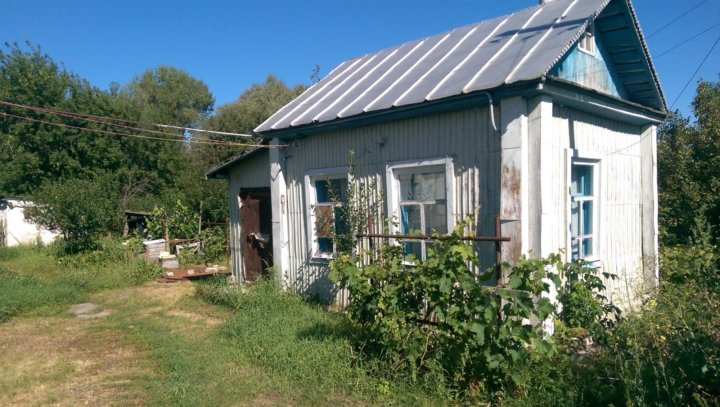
(253, 106)
(169, 95)
(34, 151)
(689, 168)
(81, 209)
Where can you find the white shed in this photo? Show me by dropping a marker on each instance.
(15, 229)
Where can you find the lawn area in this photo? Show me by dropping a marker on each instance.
(173, 344)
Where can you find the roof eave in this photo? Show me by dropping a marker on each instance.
(221, 171)
(449, 104)
(591, 100)
(643, 43)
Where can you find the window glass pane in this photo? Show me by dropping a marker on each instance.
(574, 219)
(414, 248)
(341, 224)
(575, 249)
(325, 245)
(581, 180)
(331, 190)
(410, 219)
(428, 186)
(435, 220)
(587, 217)
(587, 247)
(324, 221)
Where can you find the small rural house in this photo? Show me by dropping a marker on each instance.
(15, 229)
(546, 117)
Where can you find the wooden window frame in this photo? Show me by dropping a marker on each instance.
(311, 203)
(444, 165)
(586, 43)
(593, 160)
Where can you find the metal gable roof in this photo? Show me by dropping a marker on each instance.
(517, 47)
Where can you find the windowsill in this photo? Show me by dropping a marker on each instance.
(593, 261)
(585, 51)
(315, 259)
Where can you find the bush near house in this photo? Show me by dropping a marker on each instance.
(434, 322)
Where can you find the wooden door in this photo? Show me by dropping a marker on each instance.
(256, 232)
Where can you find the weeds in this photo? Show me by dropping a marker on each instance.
(38, 279)
(306, 346)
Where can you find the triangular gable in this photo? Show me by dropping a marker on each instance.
(518, 47)
(619, 65)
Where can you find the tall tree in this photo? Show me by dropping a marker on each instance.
(165, 95)
(689, 168)
(253, 106)
(33, 150)
(169, 95)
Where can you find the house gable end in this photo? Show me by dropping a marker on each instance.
(619, 64)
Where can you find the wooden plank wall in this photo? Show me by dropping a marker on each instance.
(618, 146)
(467, 137)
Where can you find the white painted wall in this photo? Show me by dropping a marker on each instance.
(466, 137)
(537, 138)
(627, 198)
(18, 230)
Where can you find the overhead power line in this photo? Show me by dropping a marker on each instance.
(67, 126)
(676, 19)
(696, 71)
(105, 119)
(687, 40)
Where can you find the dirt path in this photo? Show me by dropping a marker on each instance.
(72, 360)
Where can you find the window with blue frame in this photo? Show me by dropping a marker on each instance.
(422, 206)
(327, 195)
(583, 210)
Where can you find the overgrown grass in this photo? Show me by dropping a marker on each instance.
(666, 354)
(36, 279)
(305, 346)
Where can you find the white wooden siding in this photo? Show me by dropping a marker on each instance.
(618, 146)
(466, 137)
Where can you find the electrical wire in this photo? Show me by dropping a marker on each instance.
(676, 19)
(89, 116)
(696, 71)
(686, 41)
(77, 116)
(67, 126)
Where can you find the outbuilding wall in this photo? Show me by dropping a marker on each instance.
(17, 230)
(251, 172)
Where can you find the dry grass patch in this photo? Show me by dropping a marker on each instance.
(69, 362)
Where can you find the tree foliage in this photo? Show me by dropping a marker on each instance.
(33, 152)
(82, 209)
(689, 168)
(43, 152)
(253, 106)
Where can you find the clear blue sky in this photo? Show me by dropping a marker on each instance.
(232, 44)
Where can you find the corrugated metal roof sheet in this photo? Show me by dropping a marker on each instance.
(516, 47)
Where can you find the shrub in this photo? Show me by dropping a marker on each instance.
(82, 209)
(144, 271)
(584, 304)
(437, 318)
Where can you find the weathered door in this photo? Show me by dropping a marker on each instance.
(256, 228)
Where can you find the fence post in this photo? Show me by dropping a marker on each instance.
(498, 252)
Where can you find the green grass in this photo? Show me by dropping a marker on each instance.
(34, 280)
(303, 346)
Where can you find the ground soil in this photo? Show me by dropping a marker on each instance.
(71, 360)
